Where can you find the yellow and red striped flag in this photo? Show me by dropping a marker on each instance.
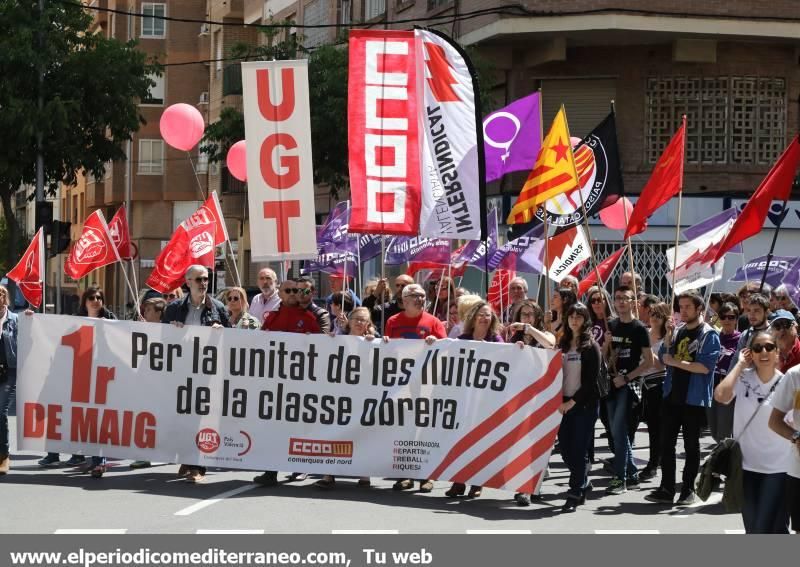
(553, 173)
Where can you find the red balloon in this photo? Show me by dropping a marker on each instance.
(616, 216)
(182, 126)
(237, 160)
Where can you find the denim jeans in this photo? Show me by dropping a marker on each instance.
(574, 439)
(764, 505)
(7, 391)
(619, 403)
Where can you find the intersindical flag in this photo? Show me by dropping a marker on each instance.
(553, 173)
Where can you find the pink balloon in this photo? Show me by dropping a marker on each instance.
(615, 217)
(237, 160)
(182, 126)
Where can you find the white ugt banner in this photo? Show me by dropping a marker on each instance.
(280, 178)
(477, 413)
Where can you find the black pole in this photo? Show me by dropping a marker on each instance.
(772, 248)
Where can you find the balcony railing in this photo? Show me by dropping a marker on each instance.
(232, 80)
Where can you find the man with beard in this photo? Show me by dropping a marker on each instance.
(690, 356)
(305, 298)
(268, 300)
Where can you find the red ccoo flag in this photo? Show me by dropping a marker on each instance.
(120, 234)
(606, 267)
(94, 249)
(665, 182)
(28, 273)
(776, 185)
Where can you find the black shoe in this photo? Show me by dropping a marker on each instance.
(632, 481)
(269, 478)
(661, 496)
(569, 506)
(648, 473)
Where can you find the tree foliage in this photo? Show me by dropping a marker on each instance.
(91, 90)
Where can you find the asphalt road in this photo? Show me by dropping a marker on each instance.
(152, 500)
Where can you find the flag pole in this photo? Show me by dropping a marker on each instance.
(746, 279)
(546, 262)
(588, 237)
(678, 226)
(772, 247)
(383, 277)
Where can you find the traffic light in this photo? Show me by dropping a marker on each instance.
(59, 237)
(44, 215)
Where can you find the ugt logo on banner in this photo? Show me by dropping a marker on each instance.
(280, 181)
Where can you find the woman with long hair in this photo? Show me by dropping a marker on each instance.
(359, 324)
(442, 294)
(581, 400)
(652, 389)
(562, 300)
(752, 382)
(600, 311)
(235, 299)
(480, 324)
(527, 326)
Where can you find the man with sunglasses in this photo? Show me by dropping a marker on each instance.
(305, 298)
(690, 356)
(196, 308)
(383, 313)
(291, 317)
(784, 327)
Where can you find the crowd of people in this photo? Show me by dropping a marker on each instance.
(732, 367)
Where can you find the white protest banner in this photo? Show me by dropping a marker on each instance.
(477, 413)
(280, 180)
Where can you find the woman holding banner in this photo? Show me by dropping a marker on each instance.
(236, 302)
(359, 324)
(8, 372)
(581, 399)
(92, 305)
(481, 324)
(526, 326)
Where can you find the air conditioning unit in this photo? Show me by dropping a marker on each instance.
(203, 98)
(205, 29)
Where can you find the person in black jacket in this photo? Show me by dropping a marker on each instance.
(580, 407)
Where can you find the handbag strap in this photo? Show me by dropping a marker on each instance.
(758, 407)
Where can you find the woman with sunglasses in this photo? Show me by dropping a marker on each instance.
(359, 324)
(752, 382)
(652, 389)
(480, 324)
(236, 302)
(176, 293)
(92, 305)
(600, 311)
(720, 416)
(581, 400)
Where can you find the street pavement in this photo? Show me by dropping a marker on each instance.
(152, 500)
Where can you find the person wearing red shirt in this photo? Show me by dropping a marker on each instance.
(414, 323)
(291, 317)
(784, 326)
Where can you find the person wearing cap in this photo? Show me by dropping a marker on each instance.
(784, 327)
(337, 285)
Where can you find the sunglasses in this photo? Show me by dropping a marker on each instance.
(201, 279)
(597, 300)
(297, 290)
(233, 298)
(760, 347)
(95, 298)
(728, 317)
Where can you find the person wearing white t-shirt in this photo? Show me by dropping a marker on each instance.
(752, 382)
(786, 402)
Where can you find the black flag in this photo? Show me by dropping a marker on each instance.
(597, 161)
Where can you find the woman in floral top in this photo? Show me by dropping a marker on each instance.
(236, 302)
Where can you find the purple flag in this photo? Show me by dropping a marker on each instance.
(476, 250)
(523, 254)
(335, 227)
(335, 258)
(712, 223)
(791, 282)
(753, 270)
(404, 249)
(370, 245)
(512, 137)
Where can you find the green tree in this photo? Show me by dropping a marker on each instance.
(92, 86)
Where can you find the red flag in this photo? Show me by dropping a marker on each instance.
(209, 213)
(186, 247)
(606, 267)
(94, 249)
(665, 182)
(29, 271)
(776, 185)
(118, 228)
(500, 281)
(457, 268)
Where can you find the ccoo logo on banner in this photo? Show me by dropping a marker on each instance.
(415, 140)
